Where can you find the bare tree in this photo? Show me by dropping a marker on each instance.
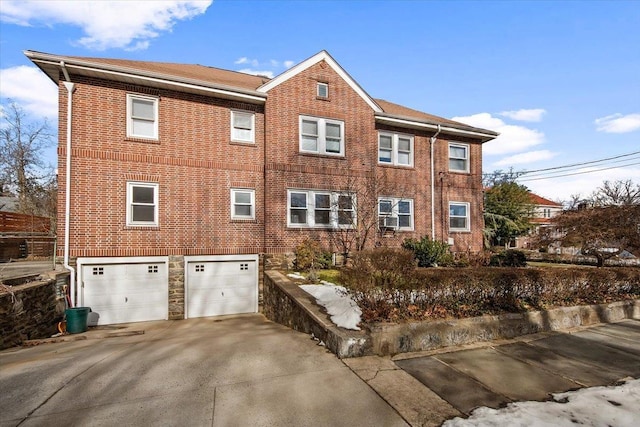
(617, 193)
(602, 231)
(22, 166)
(359, 219)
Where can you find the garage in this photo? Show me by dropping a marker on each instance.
(123, 290)
(223, 284)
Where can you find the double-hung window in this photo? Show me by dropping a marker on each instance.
(395, 149)
(242, 204)
(321, 136)
(395, 213)
(142, 116)
(142, 204)
(458, 157)
(320, 209)
(459, 216)
(242, 126)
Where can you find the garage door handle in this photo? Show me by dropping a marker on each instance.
(126, 299)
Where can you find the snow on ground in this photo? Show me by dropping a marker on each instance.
(296, 276)
(344, 312)
(596, 406)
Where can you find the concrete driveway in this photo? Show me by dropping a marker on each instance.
(237, 371)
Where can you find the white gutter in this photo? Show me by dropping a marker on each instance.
(448, 129)
(67, 202)
(432, 142)
(150, 77)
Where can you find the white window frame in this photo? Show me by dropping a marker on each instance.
(467, 217)
(333, 209)
(252, 203)
(130, 119)
(324, 85)
(252, 116)
(466, 158)
(322, 137)
(395, 148)
(130, 204)
(395, 212)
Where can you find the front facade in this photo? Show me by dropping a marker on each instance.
(179, 183)
(541, 219)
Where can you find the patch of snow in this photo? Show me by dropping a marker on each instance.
(344, 312)
(596, 406)
(296, 276)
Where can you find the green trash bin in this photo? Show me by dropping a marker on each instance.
(77, 319)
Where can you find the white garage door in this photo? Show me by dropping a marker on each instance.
(123, 290)
(218, 285)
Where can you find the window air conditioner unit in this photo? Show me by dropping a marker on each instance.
(389, 222)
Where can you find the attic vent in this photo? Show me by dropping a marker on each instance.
(323, 90)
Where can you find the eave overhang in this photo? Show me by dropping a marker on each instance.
(51, 64)
(483, 135)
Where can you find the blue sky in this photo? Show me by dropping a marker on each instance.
(559, 80)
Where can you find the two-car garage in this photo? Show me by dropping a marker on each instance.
(136, 289)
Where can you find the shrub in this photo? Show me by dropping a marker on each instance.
(509, 258)
(379, 268)
(310, 256)
(453, 292)
(429, 253)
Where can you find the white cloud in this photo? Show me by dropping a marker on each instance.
(512, 138)
(531, 115)
(618, 123)
(257, 72)
(271, 65)
(107, 24)
(31, 89)
(584, 184)
(528, 157)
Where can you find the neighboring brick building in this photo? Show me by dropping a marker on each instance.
(187, 180)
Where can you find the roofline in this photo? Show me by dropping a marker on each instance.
(483, 134)
(108, 70)
(320, 56)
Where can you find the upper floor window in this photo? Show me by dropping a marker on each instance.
(242, 204)
(323, 90)
(395, 213)
(242, 126)
(322, 209)
(458, 157)
(321, 136)
(142, 116)
(142, 204)
(395, 149)
(459, 216)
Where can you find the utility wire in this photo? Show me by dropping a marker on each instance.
(582, 163)
(578, 173)
(526, 175)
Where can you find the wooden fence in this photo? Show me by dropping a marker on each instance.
(16, 223)
(23, 236)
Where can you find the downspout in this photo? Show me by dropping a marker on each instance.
(432, 142)
(67, 202)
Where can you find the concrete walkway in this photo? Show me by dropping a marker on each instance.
(236, 371)
(493, 374)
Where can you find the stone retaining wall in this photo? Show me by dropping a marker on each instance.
(286, 303)
(31, 310)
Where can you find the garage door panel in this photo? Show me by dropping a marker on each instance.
(125, 292)
(221, 287)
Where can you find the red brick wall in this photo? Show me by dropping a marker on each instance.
(195, 165)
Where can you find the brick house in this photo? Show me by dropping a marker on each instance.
(541, 218)
(186, 181)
